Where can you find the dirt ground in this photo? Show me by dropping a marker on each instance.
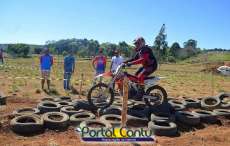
(182, 80)
(212, 135)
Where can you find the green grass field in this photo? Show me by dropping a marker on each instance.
(209, 57)
(182, 79)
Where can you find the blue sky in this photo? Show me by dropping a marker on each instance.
(36, 21)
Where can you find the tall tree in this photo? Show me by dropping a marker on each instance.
(125, 48)
(160, 43)
(174, 49)
(18, 50)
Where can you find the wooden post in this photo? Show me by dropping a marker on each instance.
(80, 90)
(212, 83)
(124, 103)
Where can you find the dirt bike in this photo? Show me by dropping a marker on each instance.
(101, 95)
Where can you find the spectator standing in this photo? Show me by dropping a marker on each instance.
(99, 64)
(69, 67)
(117, 60)
(1, 55)
(46, 62)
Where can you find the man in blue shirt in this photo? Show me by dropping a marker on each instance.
(46, 62)
(69, 67)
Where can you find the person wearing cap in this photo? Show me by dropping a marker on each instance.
(69, 67)
(46, 62)
(1, 55)
(116, 60)
(145, 57)
(99, 63)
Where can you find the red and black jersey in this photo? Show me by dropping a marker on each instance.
(145, 57)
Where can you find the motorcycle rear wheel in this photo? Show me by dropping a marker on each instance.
(156, 91)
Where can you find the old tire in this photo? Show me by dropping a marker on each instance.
(26, 111)
(65, 98)
(191, 103)
(222, 112)
(135, 122)
(70, 110)
(176, 102)
(89, 123)
(65, 103)
(163, 128)
(27, 124)
(114, 120)
(83, 104)
(163, 108)
(116, 110)
(210, 103)
(48, 106)
(163, 116)
(139, 110)
(223, 96)
(179, 107)
(187, 118)
(55, 120)
(206, 116)
(225, 105)
(49, 99)
(76, 119)
(225, 100)
(119, 103)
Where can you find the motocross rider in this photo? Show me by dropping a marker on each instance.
(144, 55)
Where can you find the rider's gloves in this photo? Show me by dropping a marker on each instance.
(128, 64)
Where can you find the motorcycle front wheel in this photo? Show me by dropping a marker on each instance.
(100, 96)
(157, 95)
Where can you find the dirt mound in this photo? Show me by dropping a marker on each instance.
(212, 67)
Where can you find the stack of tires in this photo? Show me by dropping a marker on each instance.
(164, 120)
(51, 113)
(137, 113)
(61, 112)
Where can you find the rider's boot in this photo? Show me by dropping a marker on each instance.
(140, 93)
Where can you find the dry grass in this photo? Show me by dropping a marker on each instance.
(181, 79)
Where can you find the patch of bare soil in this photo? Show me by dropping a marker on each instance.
(207, 135)
(212, 67)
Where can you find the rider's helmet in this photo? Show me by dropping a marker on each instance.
(139, 42)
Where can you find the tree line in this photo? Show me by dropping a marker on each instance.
(89, 48)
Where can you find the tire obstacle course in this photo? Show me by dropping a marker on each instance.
(58, 113)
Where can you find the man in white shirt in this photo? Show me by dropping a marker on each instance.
(117, 59)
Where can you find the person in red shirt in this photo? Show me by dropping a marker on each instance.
(99, 63)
